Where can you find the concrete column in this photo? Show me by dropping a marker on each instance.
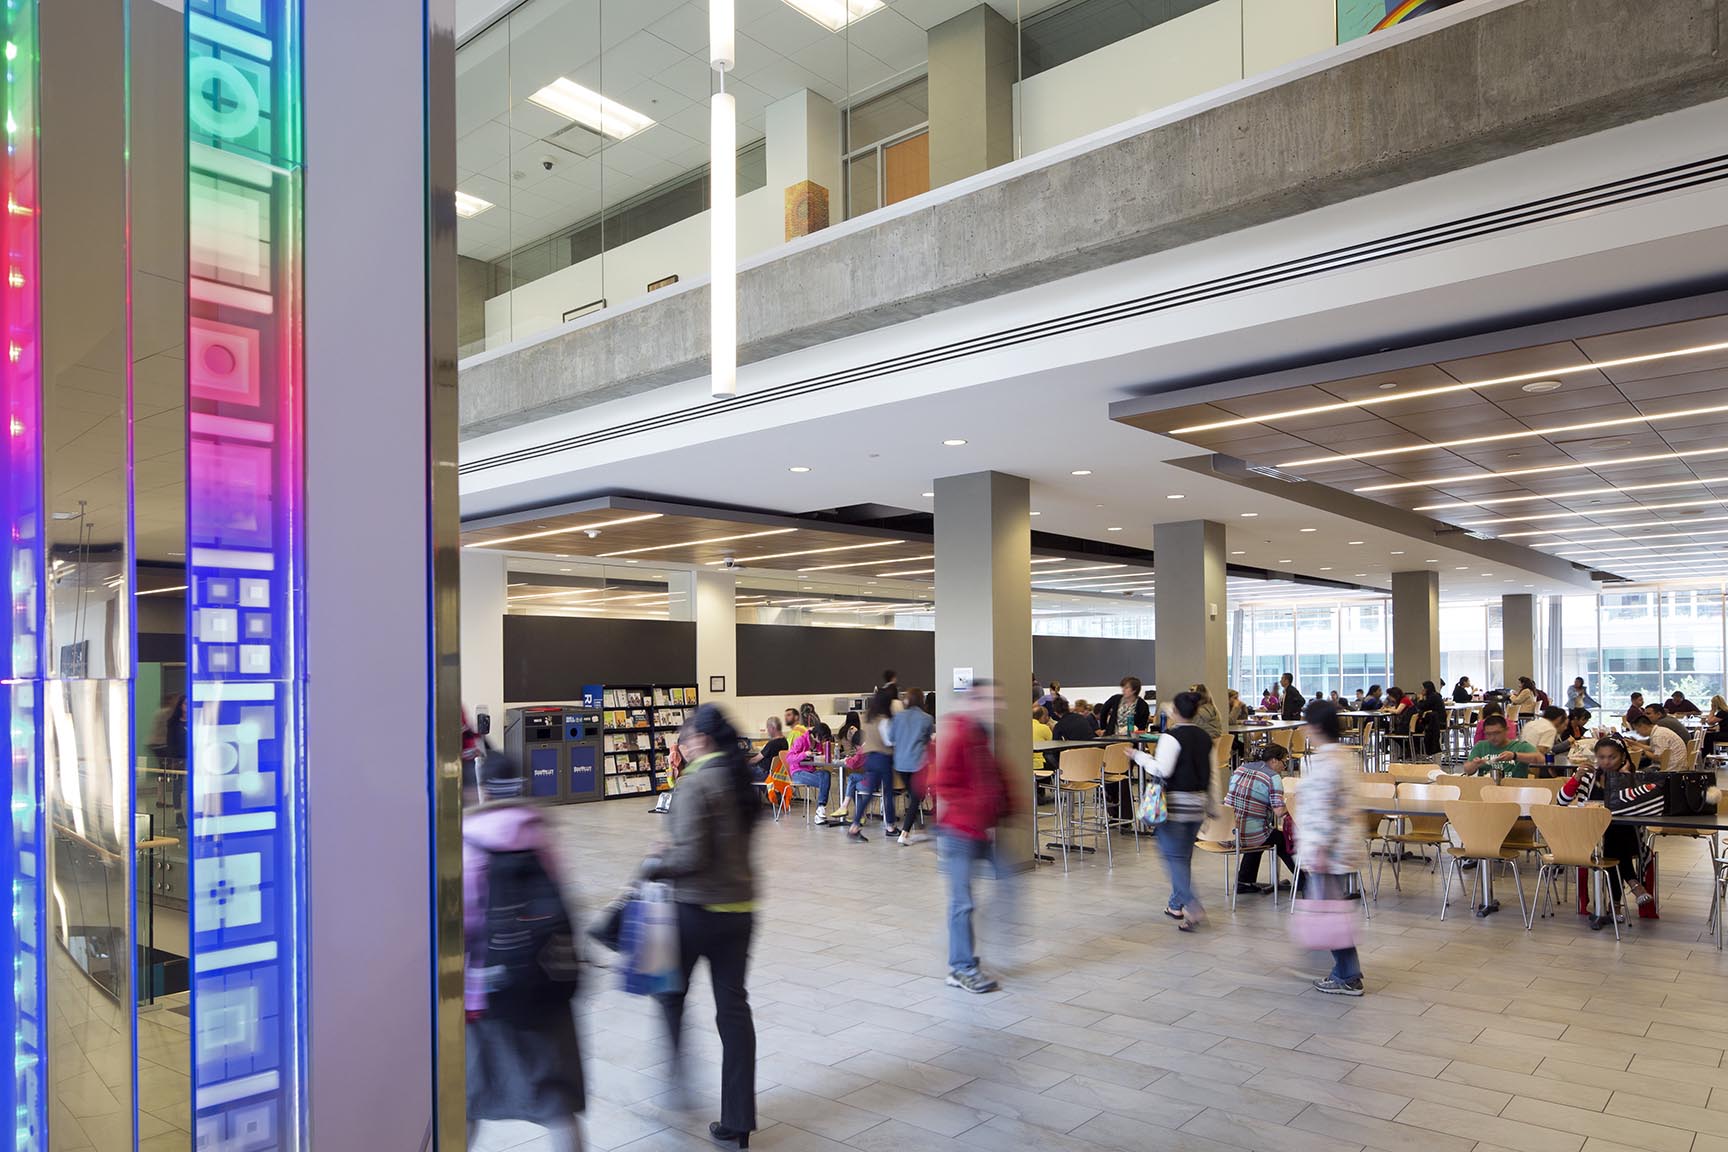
(382, 617)
(973, 66)
(1190, 609)
(1415, 628)
(803, 132)
(984, 617)
(1518, 628)
(484, 600)
(715, 597)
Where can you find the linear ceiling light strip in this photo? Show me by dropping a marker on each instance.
(1662, 182)
(544, 533)
(22, 505)
(245, 533)
(1605, 490)
(1477, 477)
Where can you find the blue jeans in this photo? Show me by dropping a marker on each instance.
(1176, 843)
(818, 780)
(878, 777)
(1346, 965)
(956, 855)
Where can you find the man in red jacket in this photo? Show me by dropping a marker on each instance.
(971, 799)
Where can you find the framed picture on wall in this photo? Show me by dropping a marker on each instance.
(716, 683)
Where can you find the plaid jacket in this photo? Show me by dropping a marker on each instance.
(1257, 797)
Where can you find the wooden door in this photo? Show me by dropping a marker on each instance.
(906, 167)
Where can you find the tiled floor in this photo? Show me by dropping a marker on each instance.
(1114, 1031)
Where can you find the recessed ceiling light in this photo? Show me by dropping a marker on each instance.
(1485, 573)
(1310, 529)
(1081, 472)
(1360, 575)
(1397, 553)
(1112, 529)
(869, 581)
(952, 443)
(1355, 541)
(929, 495)
(1325, 569)
(799, 468)
(1249, 515)
(566, 98)
(1239, 552)
(1035, 513)
(632, 561)
(834, 15)
(1175, 496)
(1388, 385)
(1542, 386)
(1283, 561)
(468, 207)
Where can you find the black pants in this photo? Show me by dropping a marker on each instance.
(1621, 842)
(724, 939)
(1249, 870)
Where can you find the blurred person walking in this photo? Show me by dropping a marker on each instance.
(1329, 838)
(878, 766)
(1182, 759)
(707, 859)
(523, 1059)
(910, 731)
(972, 799)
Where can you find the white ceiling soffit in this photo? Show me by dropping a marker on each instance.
(1041, 408)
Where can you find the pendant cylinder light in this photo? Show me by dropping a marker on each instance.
(723, 206)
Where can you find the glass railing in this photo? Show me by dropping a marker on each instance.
(583, 125)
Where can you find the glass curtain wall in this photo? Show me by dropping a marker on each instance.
(583, 125)
(1329, 647)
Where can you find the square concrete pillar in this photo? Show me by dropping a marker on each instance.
(714, 596)
(803, 132)
(984, 618)
(1415, 628)
(1518, 627)
(484, 601)
(974, 62)
(1190, 609)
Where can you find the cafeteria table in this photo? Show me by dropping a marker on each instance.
(1712, 823)
(1039, 747)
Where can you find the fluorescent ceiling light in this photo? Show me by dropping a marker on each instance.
(1606, 490)
(1088, 568)
(699, 543)
(1439, 480)
(160, 591)
(588, 108)
(1049, 560)
(864, 564)
(1372, 401)
(468, 206)
(812, 552)
(1554, 430)
(909, 572)
(1631, 547)
(566, 531)
(1615, 527)
(1590, 513)
(834, 15)
(1627, 539)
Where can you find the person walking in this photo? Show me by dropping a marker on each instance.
(523, 1060)
(1329, 834)
(707, 859)
(878, 773)
(910, 730)
(972, 798)
(1182, 759)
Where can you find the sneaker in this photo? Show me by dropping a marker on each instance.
(1243, 889)
(973, 981)
(891, 833)
(856, 835)
(821, 814)
(1334, 987)
(910, 837)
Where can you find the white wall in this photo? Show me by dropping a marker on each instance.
(1185, 57)
(623, 273)
(484, 599)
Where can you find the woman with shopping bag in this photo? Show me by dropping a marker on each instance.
(706, 860)
(1330, 850)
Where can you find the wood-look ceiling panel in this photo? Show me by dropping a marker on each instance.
(1358, 388)
(1685, 390)
(1518, 361)
(1661, 338)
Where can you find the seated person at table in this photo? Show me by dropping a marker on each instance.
(1488, 710)
(1236, 709)
(1127, 713)
(1402, 708)
(1269, 700)
(1621, 842)
(1635, 709)
(1574, 728)
(1544, 731)
(1373, 702)
(1659, 715)
(795, 726)
(1461, 691)
(1430, 717)
(1512, 757)
(1206, 717)
(1716, 729)
(1257, 796)
(798, 766)
(1041, 734)
(1069, 724)
(1083, 714)
(761, 762)
(851, 733)
(1356, 703)
(1667, 750)
(1678, 705)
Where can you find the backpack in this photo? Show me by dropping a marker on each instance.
(528, 952)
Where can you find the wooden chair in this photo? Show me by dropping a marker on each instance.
(1079, 776)
(1372, 822)
(1119, 774)
(1415, 773)
(1481, 829)
(1469, 787)
(1574, 840)
(1221, 835)
(1528, 797)
(1422, 831)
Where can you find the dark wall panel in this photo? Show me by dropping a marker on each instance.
(550, 658)
(790, 660)
(1092, 660)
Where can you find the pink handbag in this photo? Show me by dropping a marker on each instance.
(1325, 925)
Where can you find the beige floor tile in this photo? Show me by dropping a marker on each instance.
(1247, 1132)
(816, 1114)
(1381, 1135)
(1018, 1103)
(1111, 1069)
(940, 1116)
(1659, 1112)
(1129, 1135)
(1671, 1086)
(1148, 1107)
(1374, 1055)
(1657, 1137)
(1243, 1101)
(1511, 1059)
(1499, 1084)
(1439, 1091)
(903, 1073)
(1292, 1060)
(1021, 1073)
(1349, 1097)
(1494, 1129)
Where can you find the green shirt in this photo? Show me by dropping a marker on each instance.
(1484, 749)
